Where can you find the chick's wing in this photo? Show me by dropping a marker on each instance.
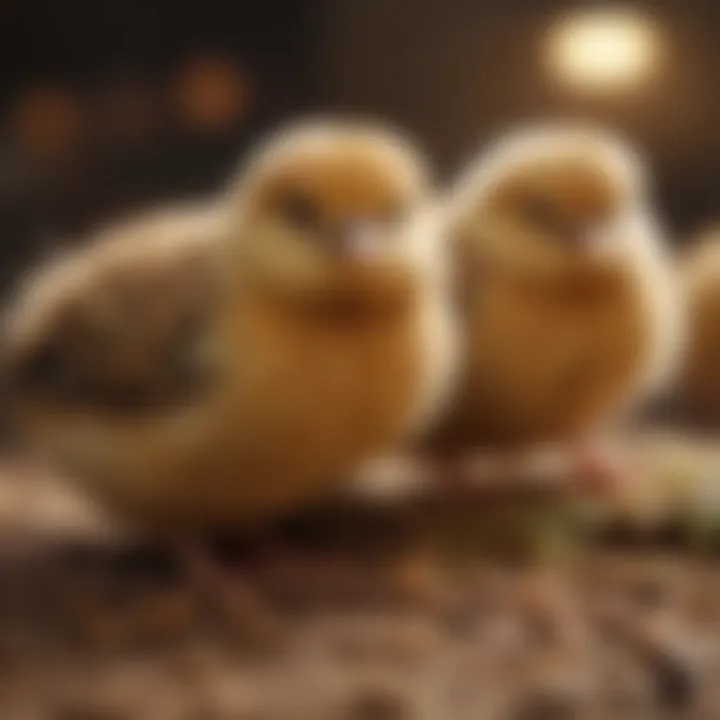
(128, 337)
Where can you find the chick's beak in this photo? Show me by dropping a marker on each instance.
(358, 240)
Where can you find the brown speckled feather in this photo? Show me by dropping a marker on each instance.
(129, 337)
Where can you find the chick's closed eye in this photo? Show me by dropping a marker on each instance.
(539, 213)
(299, 210)
(43, 368)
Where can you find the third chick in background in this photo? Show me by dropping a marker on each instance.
(698, 389)
(567, 299)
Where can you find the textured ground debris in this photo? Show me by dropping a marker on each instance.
(386, 613)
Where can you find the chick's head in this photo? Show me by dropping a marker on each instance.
(335, 211)
(553, 201)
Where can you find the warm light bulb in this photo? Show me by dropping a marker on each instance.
(603, 49)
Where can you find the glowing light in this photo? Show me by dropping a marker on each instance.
(211, 93)
(603, 49)
(48, 121)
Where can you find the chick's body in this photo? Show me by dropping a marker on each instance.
(312, 355)
(568, 307)
(553, 362)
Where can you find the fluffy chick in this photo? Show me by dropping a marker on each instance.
(698, 389)
(208, 370)
(567, 301)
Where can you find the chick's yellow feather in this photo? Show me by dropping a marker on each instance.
(569, 311)
(317, 339)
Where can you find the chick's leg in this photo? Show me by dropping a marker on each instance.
(493, 471)
(600, 470)
(588, 469)
(229, 592)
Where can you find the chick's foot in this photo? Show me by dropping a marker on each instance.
(230, 593)
(599, 473)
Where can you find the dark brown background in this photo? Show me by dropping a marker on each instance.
(453, 71)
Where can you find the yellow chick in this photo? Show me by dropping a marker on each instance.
(568, 308)
(210, 369)
(699, 381)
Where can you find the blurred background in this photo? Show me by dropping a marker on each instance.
(109, 107)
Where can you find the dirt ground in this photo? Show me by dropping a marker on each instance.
(437, 609)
